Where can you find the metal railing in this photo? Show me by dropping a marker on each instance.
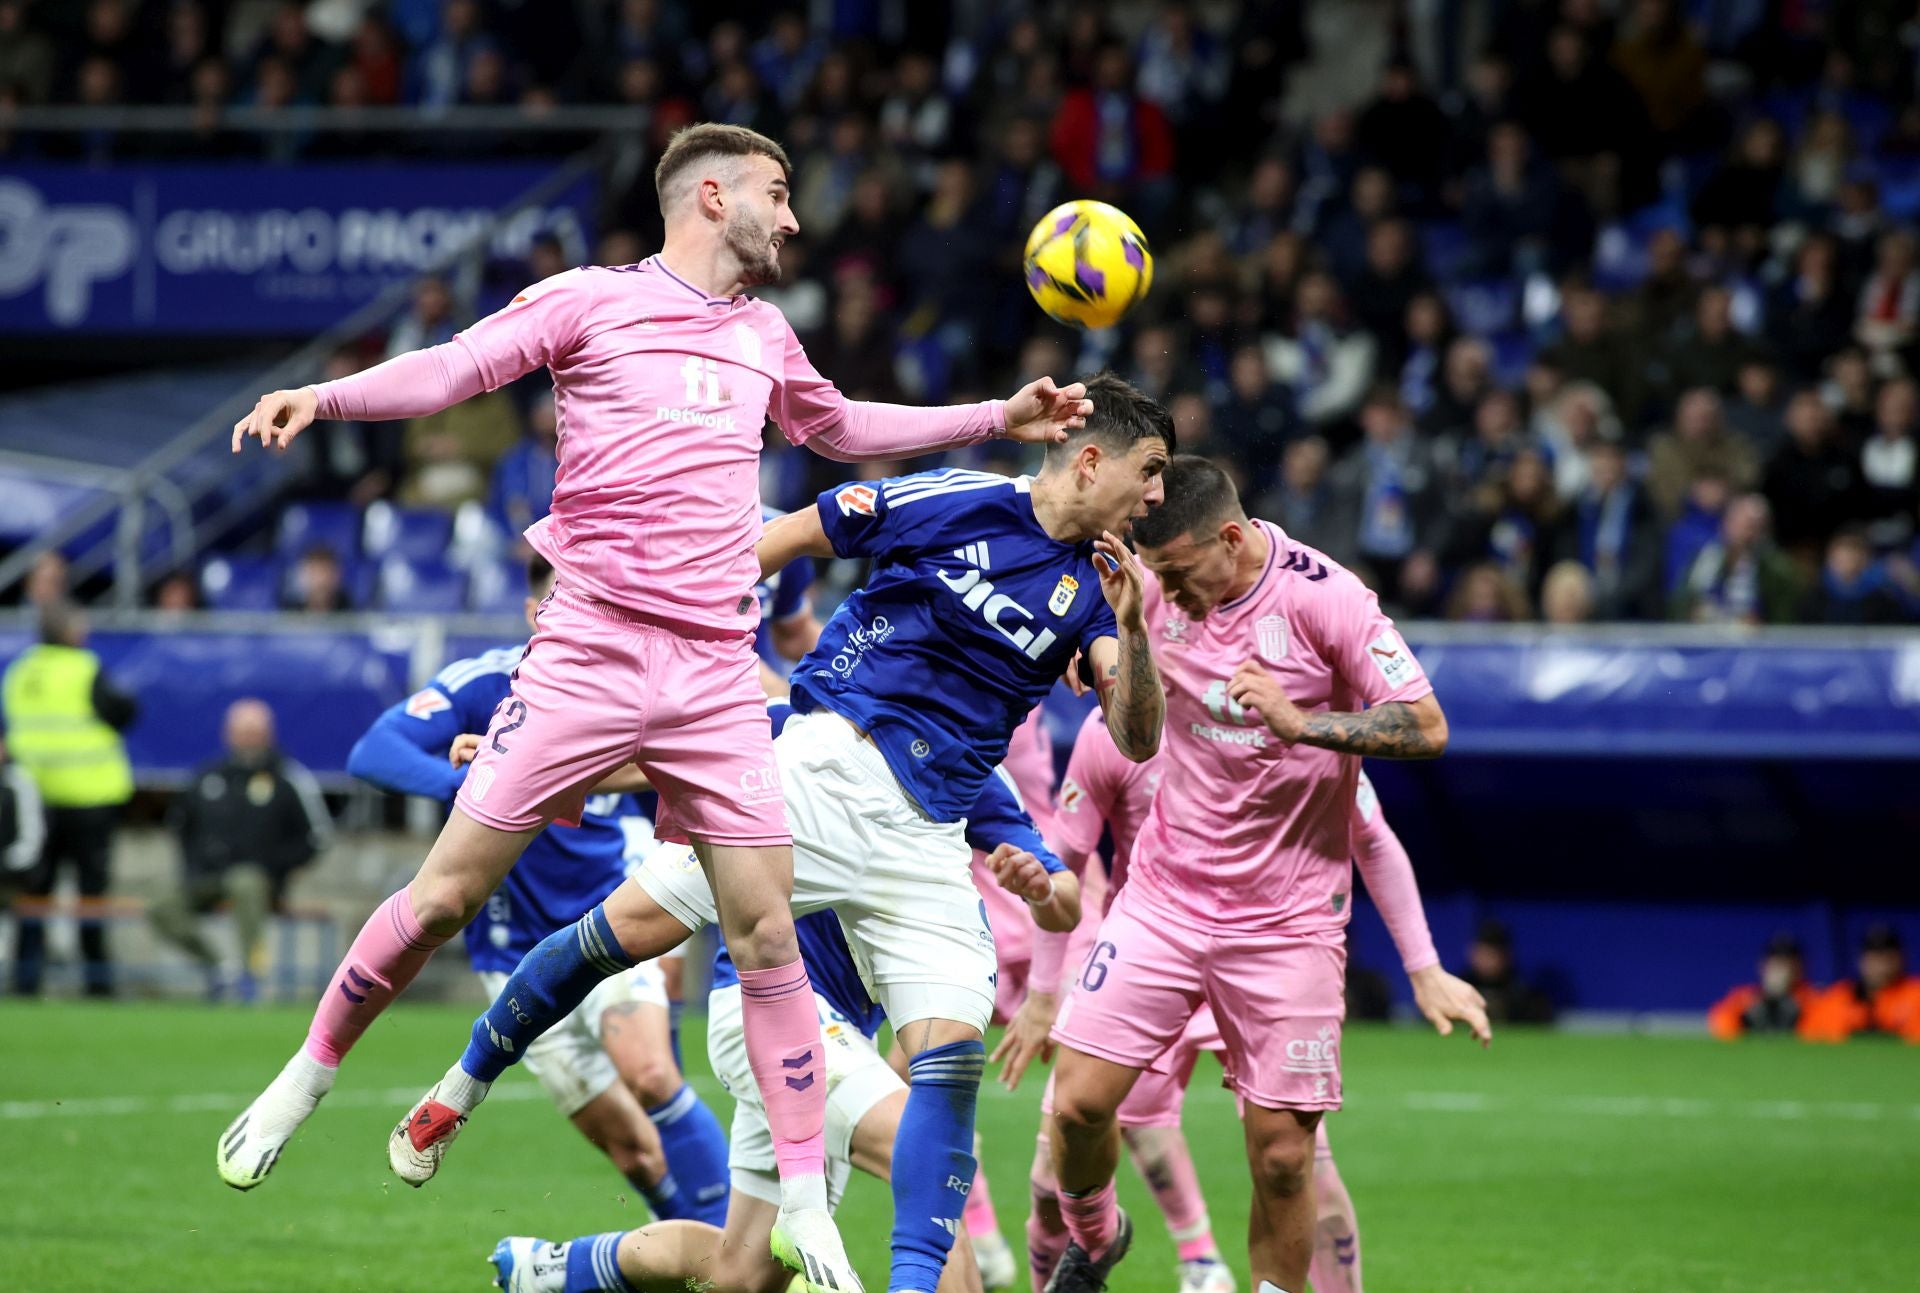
(129, 492)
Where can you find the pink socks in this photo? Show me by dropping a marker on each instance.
(387, 954)
(789, 1063)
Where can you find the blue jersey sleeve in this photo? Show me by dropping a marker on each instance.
(998, 817)
(871, 518)
(406, 748)
(790, 595)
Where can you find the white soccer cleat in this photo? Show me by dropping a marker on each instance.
(252, 1143)
(806, 1242)
(522, 1264)
(1205, 1275)
(998, 1269)
(417, 1145)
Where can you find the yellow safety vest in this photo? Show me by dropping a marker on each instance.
(76, 760)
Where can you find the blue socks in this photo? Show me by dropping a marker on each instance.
(593, 1265)
(663, 1197)
(543, 989)
(933, 1161)
(696, 1156)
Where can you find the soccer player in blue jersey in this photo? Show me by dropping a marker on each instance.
(609, 1065)
(865, 1100)
(982, 593)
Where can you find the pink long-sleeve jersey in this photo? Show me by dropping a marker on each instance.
(663, 395)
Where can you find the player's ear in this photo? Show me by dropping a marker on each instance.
(1087, 459)
(1232, 535)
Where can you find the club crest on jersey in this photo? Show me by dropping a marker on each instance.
(856, 498)
(1270, 633)
(1175, 628)
(427, 702)
(1070, 796)
(1063, 594)
(749, 341)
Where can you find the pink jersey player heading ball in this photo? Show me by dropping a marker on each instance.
(1281, 672)
(665, 374)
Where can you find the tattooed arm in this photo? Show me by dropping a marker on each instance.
(1397, 729)
(1131, 699)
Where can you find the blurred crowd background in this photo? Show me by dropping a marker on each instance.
(1524, 308)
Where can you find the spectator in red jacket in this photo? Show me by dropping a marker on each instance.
(1113, 144)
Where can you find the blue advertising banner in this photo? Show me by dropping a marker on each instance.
(247, 248)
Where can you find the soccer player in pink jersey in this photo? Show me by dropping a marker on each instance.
(1281, 672)
(664, 375)
(1102, 790)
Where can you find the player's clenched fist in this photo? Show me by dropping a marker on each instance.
(465, 746)
(1253, 688)
(1019, 872)
(277, 418)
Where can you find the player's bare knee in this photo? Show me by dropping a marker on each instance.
(1082, 1116)
(444, 903)
(1282, 1158)
(766, 940)
(652, 1078)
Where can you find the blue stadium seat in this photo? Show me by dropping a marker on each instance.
(430, 586)
(498, 587)
(235, 583)
(416, 533)
(330, 525)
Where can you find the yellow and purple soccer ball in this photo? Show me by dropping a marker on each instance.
(1087, 264)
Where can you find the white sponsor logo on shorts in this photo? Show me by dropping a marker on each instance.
(479, 783)
(1319, 1054)
(759, 785)
(1391, 657)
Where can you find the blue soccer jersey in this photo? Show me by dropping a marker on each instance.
(971, 614)
(782, 595)
(564, 871)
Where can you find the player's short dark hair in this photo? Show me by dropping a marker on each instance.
(1122, 416)
(710, 139)
(539, 571)
(1199, 497)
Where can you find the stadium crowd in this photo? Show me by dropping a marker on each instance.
(1614, 316)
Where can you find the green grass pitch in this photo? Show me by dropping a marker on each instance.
(1551, 1162)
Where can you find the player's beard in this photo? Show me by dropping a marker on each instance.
(750, 244)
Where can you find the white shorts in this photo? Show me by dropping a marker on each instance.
(901, 882)
(858, 1079)
(567, 1059)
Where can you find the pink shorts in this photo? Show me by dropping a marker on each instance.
(1279, 1002)
(599, 688)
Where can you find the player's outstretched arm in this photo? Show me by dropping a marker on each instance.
(1398, 729)
(1131, 698)
(797, 534)
(1039, 413)
(412, 385)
